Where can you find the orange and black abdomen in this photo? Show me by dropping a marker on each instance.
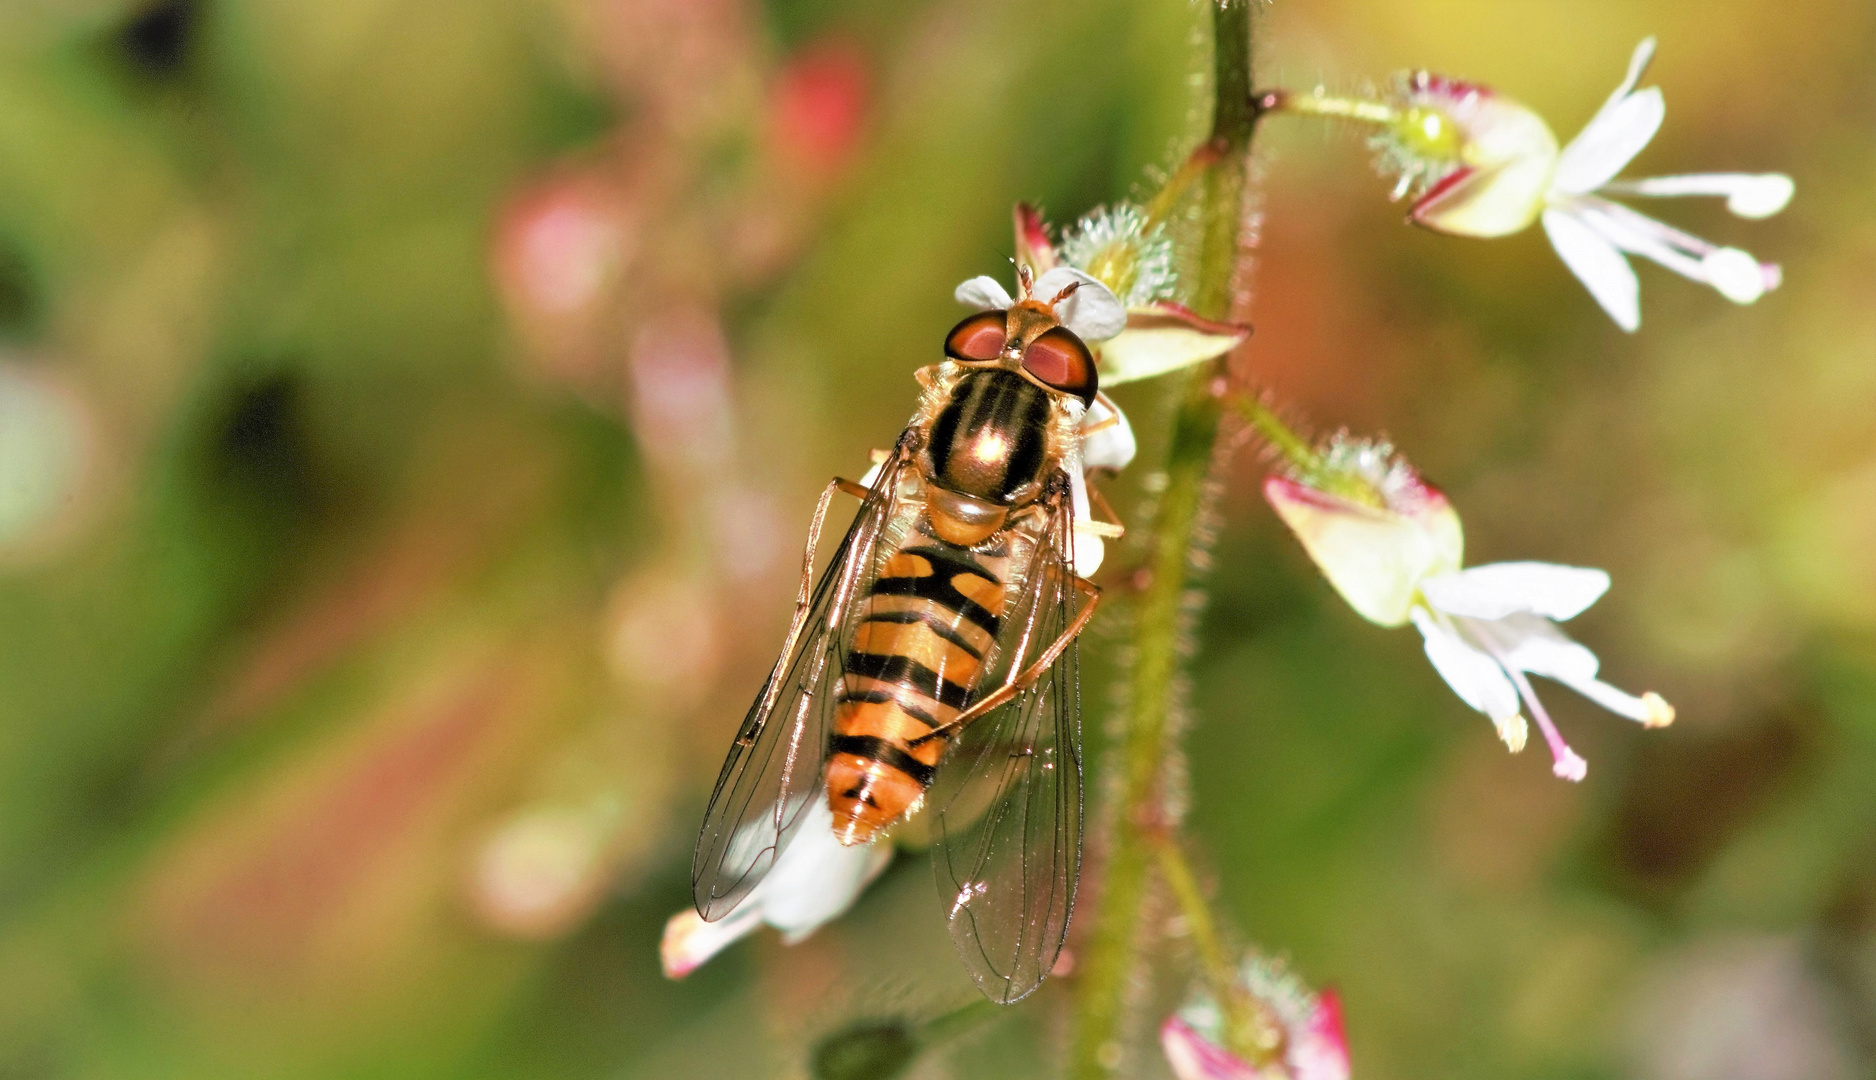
(917, 652)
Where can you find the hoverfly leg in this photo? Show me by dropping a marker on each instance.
(1022, 681)
(851, 487)
(802, 597)
(1106, 508)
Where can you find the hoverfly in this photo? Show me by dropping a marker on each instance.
(935, 659)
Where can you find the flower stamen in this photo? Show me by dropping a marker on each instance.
(1566, 763)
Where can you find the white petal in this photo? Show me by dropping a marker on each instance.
(1737, 275)
(1598, 265)
(1474, 676)
(1750, 195)
(1090, 549)
(1113, 445)
(1637, 63)
(689, 941)
(1497, 590)
(1143, 352)
(983, 292)
(1609, 143)
(1535, 644)
(817, 877)
(1094, 313)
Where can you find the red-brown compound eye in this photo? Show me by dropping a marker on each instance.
(978, 337)
(1061, 360)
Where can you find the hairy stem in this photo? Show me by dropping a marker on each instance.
(1293, 448)
(1250, 1032)
(1198, 916)
(1214, 179)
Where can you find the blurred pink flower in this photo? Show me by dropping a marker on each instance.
(818, 105)
(1313, 1046)
(560, 246)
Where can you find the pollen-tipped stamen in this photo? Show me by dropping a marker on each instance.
(1566, 763)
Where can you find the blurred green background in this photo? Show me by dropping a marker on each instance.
(410, 413)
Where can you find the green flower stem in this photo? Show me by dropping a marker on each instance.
(965, 1018)
(1295, 450)
(1251, 1033)
(1198, 915)
(1159, 209)
(1316, 103)
(1214, 179)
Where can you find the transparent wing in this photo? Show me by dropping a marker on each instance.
(1007, 839)
(773, 770)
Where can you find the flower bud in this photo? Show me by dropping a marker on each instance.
(868, 1050)
(1307, 1039)
(1033, 248)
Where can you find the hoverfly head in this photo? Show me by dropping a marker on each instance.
(1029, 338)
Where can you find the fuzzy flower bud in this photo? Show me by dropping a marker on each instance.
(1308, 1045)
(1483, 160)
(1116, 245)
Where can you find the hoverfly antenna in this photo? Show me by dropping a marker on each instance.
(1025, 280)
(1064, 294)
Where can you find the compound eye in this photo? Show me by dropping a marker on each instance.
(1059, 359)
(978, 337)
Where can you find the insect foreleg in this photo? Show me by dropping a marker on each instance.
(1028, 676)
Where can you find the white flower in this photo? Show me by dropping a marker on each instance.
(1313, 1044)
(1506, 171)
(1093, 312)
(1487, 627)
(815, 881)
(1391, 544)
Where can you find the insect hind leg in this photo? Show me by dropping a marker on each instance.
(1023, 680)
